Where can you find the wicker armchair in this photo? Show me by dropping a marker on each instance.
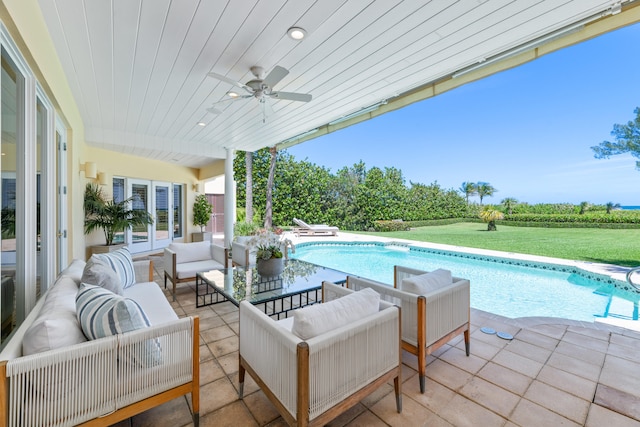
(428, 321)
(311, 382)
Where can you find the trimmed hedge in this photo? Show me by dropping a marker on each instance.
(383, 226)
(552, 224)
(619, 217)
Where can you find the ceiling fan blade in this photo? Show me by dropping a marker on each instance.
(214, 110)
(292, 96)
(228, 80)
(278, 73)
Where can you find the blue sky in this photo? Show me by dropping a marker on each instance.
(527, 131)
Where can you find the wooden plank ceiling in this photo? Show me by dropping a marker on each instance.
(138, 68)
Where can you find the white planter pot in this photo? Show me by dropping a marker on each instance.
(270, 267)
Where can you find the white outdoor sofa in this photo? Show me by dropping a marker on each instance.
(429, 320)
(311, 381)
(95, 382)
(182, 261)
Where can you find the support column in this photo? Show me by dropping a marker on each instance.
(229, 198)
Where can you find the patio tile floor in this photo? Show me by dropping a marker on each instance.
(554, 372)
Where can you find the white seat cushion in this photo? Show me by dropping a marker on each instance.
(317, 319)
(424, 284)
(153, 302)
(189, 269)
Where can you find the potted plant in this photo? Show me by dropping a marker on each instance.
(109, 216)
(201, 215)
(242, 231)
(271, 247)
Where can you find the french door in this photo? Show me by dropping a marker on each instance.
(163, 221)
(155, 198)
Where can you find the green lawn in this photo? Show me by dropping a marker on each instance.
(620, 247)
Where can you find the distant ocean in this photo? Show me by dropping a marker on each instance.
(630, 208)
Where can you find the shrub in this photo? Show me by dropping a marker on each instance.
(384, 226)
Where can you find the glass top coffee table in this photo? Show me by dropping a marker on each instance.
(300, 284)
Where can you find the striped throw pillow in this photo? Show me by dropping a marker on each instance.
(102, 313)
(121, 262)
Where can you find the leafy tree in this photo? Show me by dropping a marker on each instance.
(490, 215)
(484, 189)
(509, 203)
(201, 211)
(627, 140)
(611, 206)
(468, 189)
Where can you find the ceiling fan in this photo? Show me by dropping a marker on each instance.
(261, 87)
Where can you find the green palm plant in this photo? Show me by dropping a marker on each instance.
(109, 216)
(611, 206)
(468, 189)
(485, 189)
(490, 215)
(509, 203)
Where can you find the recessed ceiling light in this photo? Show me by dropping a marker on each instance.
(202, 124)
(233, 94)
(296, 33)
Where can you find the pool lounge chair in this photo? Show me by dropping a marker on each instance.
(304, 229)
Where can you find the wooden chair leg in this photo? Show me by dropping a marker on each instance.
(241, 372)
(467, 341)
(396, 386)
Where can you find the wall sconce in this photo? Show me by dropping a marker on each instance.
(104, 178)
(90, 169)
(196, 187)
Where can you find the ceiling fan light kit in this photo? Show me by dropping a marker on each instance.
(260, 87)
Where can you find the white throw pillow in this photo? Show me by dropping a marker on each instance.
(426, 283)
(56, 325)
(99, 273)
(317, 319)
(121, 262)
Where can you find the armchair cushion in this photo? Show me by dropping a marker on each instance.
(121, 262)
(317, 319)
(190, 252)
(425, 283)
(99, 273)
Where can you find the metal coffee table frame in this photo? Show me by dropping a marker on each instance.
(298, 286)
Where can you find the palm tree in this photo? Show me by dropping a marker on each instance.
(490, 216)
(248, 205)
(584, 206)
(268, 211)
(468, 189)
(509, 203)
(485, 189)
(611, 206)
(110, 216)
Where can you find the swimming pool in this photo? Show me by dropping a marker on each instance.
(504, 286)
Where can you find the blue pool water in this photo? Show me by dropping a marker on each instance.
(530, 289)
